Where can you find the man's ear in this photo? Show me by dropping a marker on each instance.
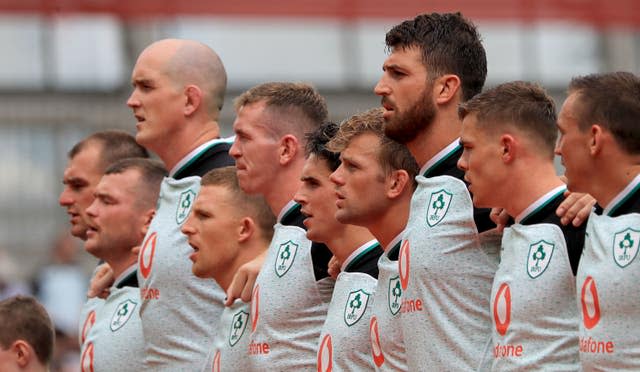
(193, 99)
(445, 88)
(597, 136)
(22, 352)
(396, 183)
(246, 229)
(288, 149)
(509, 146)
(148, 216)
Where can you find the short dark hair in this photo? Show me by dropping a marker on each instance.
(253, 206)
(317, 144)
(520, 104)
(115, 145)
(24, 318)
(450, 44)
(611, 100)
(152, 172)
(392, 155)
(298, 107)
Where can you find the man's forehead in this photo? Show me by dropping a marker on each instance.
(405, 54)
(365, 143)
(316, 167)
(82, 172)
(119, 181)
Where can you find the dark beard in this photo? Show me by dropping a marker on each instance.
(404, 127)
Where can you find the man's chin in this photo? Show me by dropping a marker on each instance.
(91, 247)
(342, 216)
(202, 274)
(79, 231)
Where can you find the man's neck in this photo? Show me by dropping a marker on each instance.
(532, 182)
(120, 264)
(608, 185)
(248, 251)
(348, 240)
(282, 189)
(387, 227)
(186, 142)
(433, 138)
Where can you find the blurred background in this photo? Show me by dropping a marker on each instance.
(65, 67)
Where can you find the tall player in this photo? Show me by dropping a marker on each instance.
(178, 91)
(508, 136)
(293, 289)
(344, 340)
(436, 62)
(118, 218)
(374, 184)
(600, 148)
(227, 228)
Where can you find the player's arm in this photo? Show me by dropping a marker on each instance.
(334, 267)
(575, 208)
(101, 281)
(244, 279)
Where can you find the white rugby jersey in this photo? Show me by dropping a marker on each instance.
(344, 340)
(114, 341)
(607, 285)
(535, 320)
(387, 344)
(446, 268)
(179, 311)
(231, 340)
(288, 305)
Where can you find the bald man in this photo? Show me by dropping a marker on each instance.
(178, 89)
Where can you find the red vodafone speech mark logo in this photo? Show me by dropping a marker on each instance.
(325, 355)
(590, 303)
(255, 307)
(502, 309)
(216, 362)
(86, 363)
(88, 323)
(376, 349)
(146, 255)
(403, 264)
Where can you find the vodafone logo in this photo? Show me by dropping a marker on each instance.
(502, 309)
(376, 349)
(590, 303)
(403, 264)
(86, 363)
(146, 254)
(88, 323)
(255, 307)
(325, 355)
(216, 362)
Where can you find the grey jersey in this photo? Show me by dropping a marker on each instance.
(344, 340)
(179, 311)
(446, 270)
(88, 314)
(387, 344)
(288, 305)
(114, 342)
(608, 291)
(231, 340)
(535, 320)
(88, 317)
